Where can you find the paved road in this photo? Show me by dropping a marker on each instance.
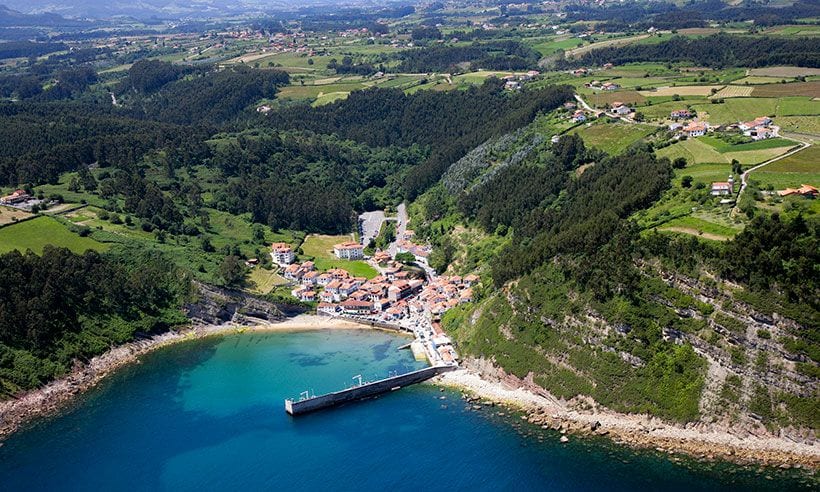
(401, 227)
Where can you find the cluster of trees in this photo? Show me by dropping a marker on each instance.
(495, 55)
(588, 224)
(718, 51)
(772, 254)
(450, 123)
(147, 76)
(347, 66)
(667, 15)
(308, 181)
(210, 97)
(39, 141)
(20, 49)
(510, 196)
(421, 33)
(61, 306)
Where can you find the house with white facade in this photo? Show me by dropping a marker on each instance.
(349, 251)
(282, 254)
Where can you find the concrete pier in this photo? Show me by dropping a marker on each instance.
(297, 407)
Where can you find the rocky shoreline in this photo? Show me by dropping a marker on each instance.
(58, 394)
(707, 443)
(541, 409)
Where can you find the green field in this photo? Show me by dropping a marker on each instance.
(699, 227)
(263, 281)
(699, 151)
(707, 173)
(613, 138)
(693, 150)
(797, 106)
(793, 171)
(551, 46)
(320, 248)
(724, 147)
(736, 109)
(36, 233)
(800, 124)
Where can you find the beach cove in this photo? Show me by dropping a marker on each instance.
(209, 412)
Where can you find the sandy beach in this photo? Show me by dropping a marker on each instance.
(56, 395)
(702, 441)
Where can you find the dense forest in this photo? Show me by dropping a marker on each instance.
(17, 49)
(450, 123)
(307, 181)
(716, 51)
(60, 306)
(497, 55)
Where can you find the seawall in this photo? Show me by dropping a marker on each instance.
(364, 391)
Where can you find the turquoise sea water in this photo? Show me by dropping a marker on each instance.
(208, 415)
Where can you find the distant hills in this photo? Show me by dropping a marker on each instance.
(9, 17)
(171, 9)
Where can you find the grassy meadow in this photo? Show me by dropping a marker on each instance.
(36, 233)
(320, 248)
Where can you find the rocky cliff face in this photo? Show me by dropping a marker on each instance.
(751, 383)
(217, 305)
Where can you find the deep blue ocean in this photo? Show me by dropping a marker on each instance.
(209, 415)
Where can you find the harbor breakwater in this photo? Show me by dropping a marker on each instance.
(298, 407)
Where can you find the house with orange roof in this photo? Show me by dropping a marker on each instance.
(695, 129)
(352, 306)
(805, 190)
(19, 196)
(327, 308)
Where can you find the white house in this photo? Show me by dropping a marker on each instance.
(349, 251)
(723, 188)
(282, 254)
(695, 129)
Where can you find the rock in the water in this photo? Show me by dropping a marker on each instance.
(564, 439)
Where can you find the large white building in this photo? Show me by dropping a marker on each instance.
(282, 254)
(349, 251)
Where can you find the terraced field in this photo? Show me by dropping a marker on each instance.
(784, 71)
(735, 91)
(696, 226)
(9, 215)
(699, 151)
(601, 98)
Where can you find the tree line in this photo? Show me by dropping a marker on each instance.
(717, 51)
(60, 306)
